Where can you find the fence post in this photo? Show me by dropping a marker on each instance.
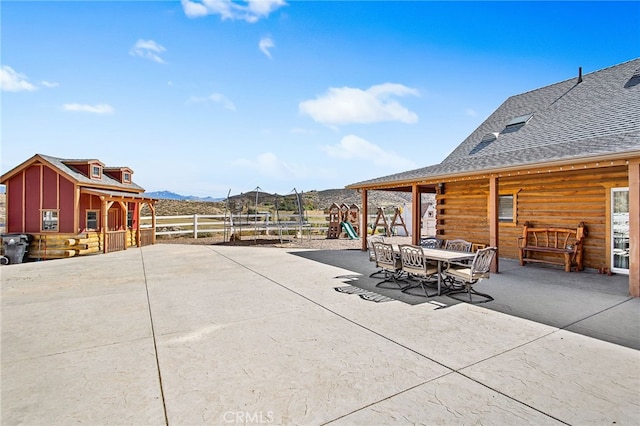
(195, 226)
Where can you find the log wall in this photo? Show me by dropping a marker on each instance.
(57, 246)
(561, 199)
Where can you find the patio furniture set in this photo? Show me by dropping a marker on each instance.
(451, 266)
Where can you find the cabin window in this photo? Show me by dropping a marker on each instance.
(49, 220)
(92, 219)
(129, 219)
(96, 171)
(507, 208)
(126, 177)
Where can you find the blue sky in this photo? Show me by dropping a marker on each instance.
(199, 97)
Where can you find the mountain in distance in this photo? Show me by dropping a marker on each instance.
(168, 195)
(315, 199)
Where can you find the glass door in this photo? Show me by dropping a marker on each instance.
(620, 230)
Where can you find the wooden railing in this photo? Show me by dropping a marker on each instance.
(115, 241)
(146, 237)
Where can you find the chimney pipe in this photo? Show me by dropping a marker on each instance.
(579, 74)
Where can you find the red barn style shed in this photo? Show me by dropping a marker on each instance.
(75, 206)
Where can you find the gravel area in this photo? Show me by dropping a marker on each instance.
(315, 242)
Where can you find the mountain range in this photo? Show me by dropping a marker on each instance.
(168, 195)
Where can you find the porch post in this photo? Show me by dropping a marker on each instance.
(152, 206)
(634, 228)
(105, 223)
(416, 208)
(138, 207)
(123, 219)
(493, 219)
(364, 219)
(76, 209)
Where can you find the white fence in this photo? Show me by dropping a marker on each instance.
(257, 224)
(245, 224)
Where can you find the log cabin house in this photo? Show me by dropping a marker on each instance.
(554, 157)
(74, 207)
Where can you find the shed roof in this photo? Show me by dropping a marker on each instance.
(64, 166)
(566, 121)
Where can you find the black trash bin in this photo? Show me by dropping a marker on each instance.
(15, 247)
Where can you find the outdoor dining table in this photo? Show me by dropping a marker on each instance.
(441, 256)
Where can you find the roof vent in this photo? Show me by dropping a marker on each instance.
(520, 120)
(634, 80)
(490, 137)
(579, 74)
(484, 142)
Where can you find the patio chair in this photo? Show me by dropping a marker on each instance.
(417, 266)
(389, 262)
(372, 253)
(458, 245)
(463, 277)
(431, 242)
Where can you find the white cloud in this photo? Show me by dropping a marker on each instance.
(148, 49)
(250, 11)
(353, 147)
(265, 44)
(216, 98)
(471, 112)
(49, 84)
(95, 109)
(269, 165)
(350, 105)
(11, 81)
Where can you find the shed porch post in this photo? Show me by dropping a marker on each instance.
(152, 206)
(137, 214)
(123, 218)
(105, 223)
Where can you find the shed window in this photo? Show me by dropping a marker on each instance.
(130, 219)
(126, 177)
(506, 204)
(96, 171)
(49, 220)
(92, 219)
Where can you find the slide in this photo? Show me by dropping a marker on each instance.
(349, 230)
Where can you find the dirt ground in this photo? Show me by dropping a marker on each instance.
(313, 242)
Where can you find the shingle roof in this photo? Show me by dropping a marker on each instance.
(105, 179)
(571, 120)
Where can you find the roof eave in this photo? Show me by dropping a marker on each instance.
(429, 179)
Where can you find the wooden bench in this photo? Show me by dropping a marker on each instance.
(566, 242)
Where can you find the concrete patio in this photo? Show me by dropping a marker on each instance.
(182, 335)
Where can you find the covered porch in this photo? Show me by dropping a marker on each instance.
(120, 219)
(468, 205)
